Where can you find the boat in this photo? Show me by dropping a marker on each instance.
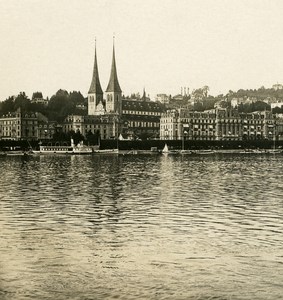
(97, 150)
(204, 152)
(274, 151)
(80, 148)
(106, 151)
(253, 151)
(186, 152)
(139, 152)
(166, 150)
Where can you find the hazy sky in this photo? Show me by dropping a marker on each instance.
(160, 45)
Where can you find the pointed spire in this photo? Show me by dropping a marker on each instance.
(95, 86)
(113, 85)
(144, 94)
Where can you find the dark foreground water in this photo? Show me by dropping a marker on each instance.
(141, 227)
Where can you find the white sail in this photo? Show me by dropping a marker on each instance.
(165, 149)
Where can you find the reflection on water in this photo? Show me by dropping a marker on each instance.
(141, 227)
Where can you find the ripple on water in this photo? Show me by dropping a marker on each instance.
(141, 227)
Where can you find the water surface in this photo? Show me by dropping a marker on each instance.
(141, 227)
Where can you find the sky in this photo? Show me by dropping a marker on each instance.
(161, 45)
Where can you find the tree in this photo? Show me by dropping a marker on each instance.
(8, 105)
(22, 101)
(205, 91)
(92, 138)
(277, 110)
(198, 106)
(198, 94)
(59, 106)
(76, 98)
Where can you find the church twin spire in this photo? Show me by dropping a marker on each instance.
(113, 85)
(95, 87)
(113, 94)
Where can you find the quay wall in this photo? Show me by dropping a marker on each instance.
(6, 145)
(189, 144)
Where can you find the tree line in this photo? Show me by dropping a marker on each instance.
(64, 103)
(259, 99)
(58, 107)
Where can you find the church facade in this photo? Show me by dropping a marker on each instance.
(112, 104)
(112, 115)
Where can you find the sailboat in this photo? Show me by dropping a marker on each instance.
(167, 151)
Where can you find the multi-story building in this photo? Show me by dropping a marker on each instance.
(218, 124)
(237, 101)
(162, 98)
(104, 115)
(106, 126)
(28, 126)
(276, 104)
(10, 126)
(113, 115)
(277, 86)
(45, 129)
(141, 118)
(279, 126)
(37, 98)
(113, 102)
(170, 123)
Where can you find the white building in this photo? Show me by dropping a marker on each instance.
(277, 86)
(162, 98)
(276, 104)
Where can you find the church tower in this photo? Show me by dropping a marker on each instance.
(113, 91)
(95, 93)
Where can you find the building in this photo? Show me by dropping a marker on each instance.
(113, 102)
(37, 98)
(25, 126)
(141, 118)
(106, 126)
(109, 115)
(95, 93)
(104, 115)
(178, 97)
(276, 104)
(218, 124)
(162, 98)
(237, 101)
(10, 126)
(45, 129)
(277, 86)
(279, 126)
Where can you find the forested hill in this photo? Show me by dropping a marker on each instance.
(261, 93)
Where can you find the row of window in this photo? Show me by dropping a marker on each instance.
(143, 124)
(89, 127)
(6, 134)
(45, 126)
(8, 129)
(136, 112)
(10, 122)
(29, 122)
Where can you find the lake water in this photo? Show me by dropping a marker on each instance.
(141, 227)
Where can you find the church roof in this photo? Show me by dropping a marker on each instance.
(113, 85)
(138, 105)
(95, 86)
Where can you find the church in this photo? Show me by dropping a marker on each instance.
(112, 115)
(113, 94)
